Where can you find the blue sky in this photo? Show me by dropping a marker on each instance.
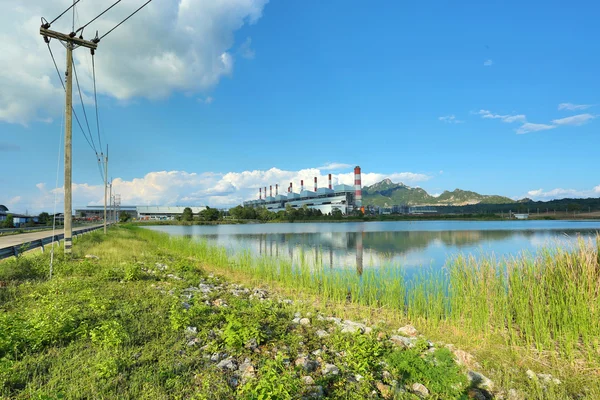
(441, 95)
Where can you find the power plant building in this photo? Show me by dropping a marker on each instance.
(344, 198)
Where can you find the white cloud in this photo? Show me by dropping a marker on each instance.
(504, 118)
(333, 166)
(208, 188)
(206, 100)
(576, 120)
(559, 193)
(245, 49)
(169, 46)
(573, 107)
(530, 127)
(488, 63)
(450, 119)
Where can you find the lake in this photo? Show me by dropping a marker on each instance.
(408, 244)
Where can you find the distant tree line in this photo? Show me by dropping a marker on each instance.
(208, 214)
(290, 214)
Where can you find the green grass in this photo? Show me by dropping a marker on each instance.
(550, 301)
(112, 328)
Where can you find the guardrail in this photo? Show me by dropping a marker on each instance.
(15, 251)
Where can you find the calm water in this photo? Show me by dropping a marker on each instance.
(410, 245)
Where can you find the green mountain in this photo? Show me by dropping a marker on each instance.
(387, 193)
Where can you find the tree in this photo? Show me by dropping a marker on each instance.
(124, 216)
(8, 222)
(210, 214)
(187, 214)
(44, 218)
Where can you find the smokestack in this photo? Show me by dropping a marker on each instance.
(301, 185)
(291, 187)
(315, 184)
(270, 191)
(330, 187)
(265, 192)
(276, 189)
(260, 193)
(357, 188)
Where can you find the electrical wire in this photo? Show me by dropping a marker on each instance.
(119, 24)
(98, 16)
(64, 12)
(96, 100)
(83, 107)
(65, 89)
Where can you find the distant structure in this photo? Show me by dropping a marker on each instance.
(344, 198)
(142, 213)
(19, 220)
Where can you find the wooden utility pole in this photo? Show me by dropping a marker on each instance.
(105, 185)
(71, 42)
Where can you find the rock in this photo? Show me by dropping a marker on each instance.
(466, 359)
(217, 356)
(219, 303)
(297, 315)
(191, 330)
(305, 321)
(419, 389)
(352, 327)
(386, 376)
(91, 256)
(173, 276)
(385, 390)
(306, 364)
(330, 369)
(513, 394)
(246, 370)
(260, 294)
(287, 301)
(251, 344)
(186, 305)
(479, 380)
(296, 320)
(228, 363)
(161, 267)
(315, 392)
(408, 330)
(476, 394)
(308, 380)
(193, 342)
(543, 378)
(321, 333)
(334, 320)
(402, 341)
(204, 288)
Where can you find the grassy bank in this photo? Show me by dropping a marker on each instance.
(145, 319)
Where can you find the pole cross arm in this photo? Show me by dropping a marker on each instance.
(67, 38)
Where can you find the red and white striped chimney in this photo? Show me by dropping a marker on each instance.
(260, 193)
(330, 187)
(265, 192)
(276, 189)
(315, 184)
(270, 191)
(301, 185)
(357, 187)
(291, 187)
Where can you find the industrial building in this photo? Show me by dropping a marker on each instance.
(344, 198)
(142, 213)
(19, 220)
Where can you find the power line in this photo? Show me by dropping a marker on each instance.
(98, 16)
(65, 89)
(119, 24)
(63, 13)
(96, 100)
(83, 108)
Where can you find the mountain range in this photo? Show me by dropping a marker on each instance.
(388, 193)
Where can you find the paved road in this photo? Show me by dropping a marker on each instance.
(15, 240)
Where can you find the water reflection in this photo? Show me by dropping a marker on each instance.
(359, 248)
